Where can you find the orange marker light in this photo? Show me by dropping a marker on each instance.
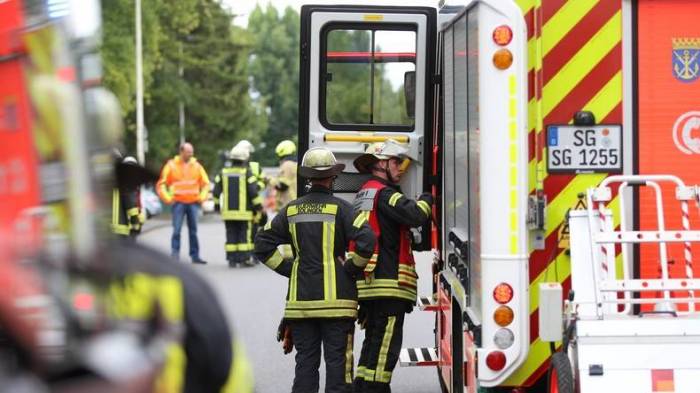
(502, 35)
(503, 316)
(502, 59)
(503, 293)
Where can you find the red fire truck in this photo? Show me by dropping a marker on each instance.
(513, 109)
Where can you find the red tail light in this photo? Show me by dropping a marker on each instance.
(496, 360)
(83, 301)
(503, 293)
(502, 35)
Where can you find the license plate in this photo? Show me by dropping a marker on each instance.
(582, 149)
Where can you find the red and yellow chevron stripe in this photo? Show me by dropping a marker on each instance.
(575, 63)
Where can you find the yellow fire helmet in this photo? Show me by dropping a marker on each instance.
(319, 163)
(285, 148)
(380, 151)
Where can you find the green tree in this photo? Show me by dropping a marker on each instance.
(198, 36)
(274, 67)
(118, 48)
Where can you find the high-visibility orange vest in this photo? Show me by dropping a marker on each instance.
(185, 182)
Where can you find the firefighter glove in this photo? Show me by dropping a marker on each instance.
(284, 335)
(427, 197)
(281, 186)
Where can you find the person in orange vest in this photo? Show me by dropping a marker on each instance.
(184, 184)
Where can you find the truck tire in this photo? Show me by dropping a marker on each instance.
(560, 375)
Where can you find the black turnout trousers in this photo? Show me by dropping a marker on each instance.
(336, 336)
(239, 243)
(382, 345)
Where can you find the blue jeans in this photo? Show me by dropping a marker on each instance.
(180, 210)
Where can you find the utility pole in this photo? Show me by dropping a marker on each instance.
(181, 104)
(140, 154)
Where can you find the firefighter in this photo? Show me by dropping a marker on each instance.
(286, 181)
(254, 166)
(321, 302)
(255, 169)
(387, 290)
(239, 206)
(168, 302)
(59, 266)
(127, 218)
(184, 184)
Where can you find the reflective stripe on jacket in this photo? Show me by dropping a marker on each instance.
(256, 171)
(123, 208)
(391, 272)
(319, 227)
(240, 192)
(177, 312)
(183, 182)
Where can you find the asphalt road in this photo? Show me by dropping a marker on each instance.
(253, 299)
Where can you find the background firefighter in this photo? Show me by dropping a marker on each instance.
(260, 217)
(109, 314)
(322, 298)
(286, 181)
(239, 207)
(388, 289)
(127, 217)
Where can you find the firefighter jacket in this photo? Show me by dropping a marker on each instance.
(184, 182)
(286, 183)
(168, 303)
(319, 227)
(126, 216)
(256, 171)
(391, 271)
(240, 193)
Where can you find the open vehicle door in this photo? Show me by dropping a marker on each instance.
(366, 75)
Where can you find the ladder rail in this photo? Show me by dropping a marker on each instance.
(606, 238)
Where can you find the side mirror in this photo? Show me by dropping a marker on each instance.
(409, 91)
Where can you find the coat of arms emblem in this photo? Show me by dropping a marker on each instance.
(686, 59)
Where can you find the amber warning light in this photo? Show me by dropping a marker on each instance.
(502, 35)
(502, 59)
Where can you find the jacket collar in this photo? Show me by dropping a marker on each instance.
(386, 182)
(320, 189)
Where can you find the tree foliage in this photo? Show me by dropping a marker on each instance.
(197, 35)
(362, 91)
(274, 68)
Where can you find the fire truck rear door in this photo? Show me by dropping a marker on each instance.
(366, 75)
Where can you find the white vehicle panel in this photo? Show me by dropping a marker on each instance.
(496, 171)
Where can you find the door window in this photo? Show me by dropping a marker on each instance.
(369, 78)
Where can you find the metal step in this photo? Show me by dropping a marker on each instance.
(411, 357)
(427, 303)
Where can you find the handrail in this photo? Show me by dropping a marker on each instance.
(605, 237)
(363, 138)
